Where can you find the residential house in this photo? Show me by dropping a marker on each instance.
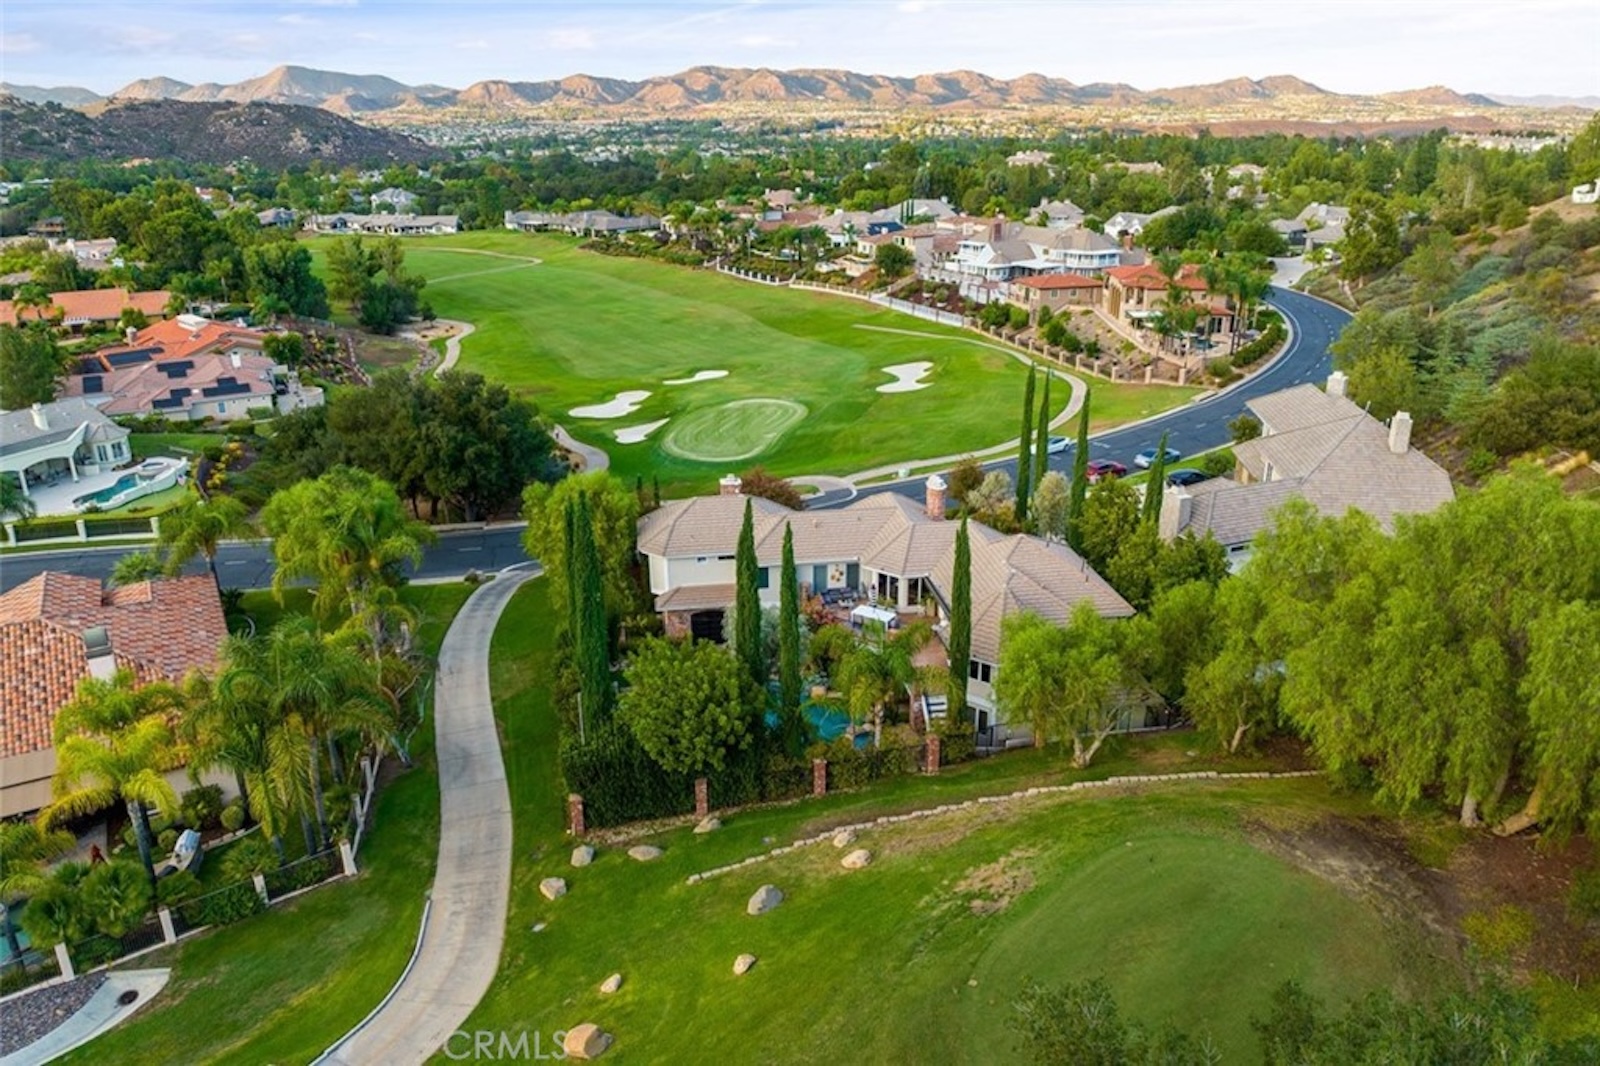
(222, 386)
(64, 439)
(1031, 158)
(1058, 292)
(581, 223)
(913, 210)
(277, 218)
(384, 225)
(396, 201)
(885, 549)
(1132, 223)
(1586, 194)
(57, 629)
(91, 307)
(1292, 230)
(1324, 223)
(52, 228)
(1318, 446)
(183, 337)
(1134, 294)
(1059, 214)
(93, 254)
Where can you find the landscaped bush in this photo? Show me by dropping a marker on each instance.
(298, 875)
(223, 906)
(177, 887)
(248, 857)
(1218, 463)
(1262, 346)
(166, 840)
(232, 817)
(202, 806)
(852, 767)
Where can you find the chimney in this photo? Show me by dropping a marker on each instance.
(1336, 383)
(236, 359)
(130, 334)
(1400, 432)
(730, 485)
(1177, 508)
(97, 650)
(997, 229)
(933, 502)
(40, 419)
(1127, 241)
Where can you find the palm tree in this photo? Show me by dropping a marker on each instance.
(24, 850)
(231, 723)
(35, 297)
(198, 527)
(114, 743)
(15, 502)
(878, 672)
(136, 567)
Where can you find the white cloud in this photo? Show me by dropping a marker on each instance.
(18, 43)
(574, 39)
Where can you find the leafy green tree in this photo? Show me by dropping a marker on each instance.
(963, 478)
(1110, 516)
(747, 602)
(289, 349)
(30, 366)
(1052, 499)
(1245, 427)
(1384, 382)
(1432, 269)
(880, 672)
(960, 642)
(1233, 695)
(792, 724)
(236, 723)
(114, 744)
(350, 265)
(591, 629)
(1178, 632)
(1371, 239)
(1067, 681)
(1079, 1023)
(347, 531)
(892, 260)
(483, 445)
(116, 896)
(1080, 479)
(613, 515)
(198, 526)
(1562, 689)
(24, 850)
(1025, 452)
(281, 270)
(687, 703)
(14, 503)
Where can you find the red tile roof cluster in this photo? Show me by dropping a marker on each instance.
(1149, 276)
(1059, 281)
(158, 629)
(93, 305)
(185, 337)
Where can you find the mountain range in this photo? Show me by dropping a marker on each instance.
(710, 87)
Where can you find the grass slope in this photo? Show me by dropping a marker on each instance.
(579, 328)
(1163, 892)
(281, 986)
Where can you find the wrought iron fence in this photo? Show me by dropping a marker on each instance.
(302, 873)
(26, 970)
(225, 905)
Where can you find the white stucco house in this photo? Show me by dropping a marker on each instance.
(65, 439)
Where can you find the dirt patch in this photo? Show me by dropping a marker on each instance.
(993, 886)
(1490, 872)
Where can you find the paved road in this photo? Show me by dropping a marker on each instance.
(249, 566)
(466, 919)
(1196, 427)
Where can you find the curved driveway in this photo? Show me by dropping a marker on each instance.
(1197, 426)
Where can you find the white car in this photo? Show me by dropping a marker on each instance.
(1057, 445)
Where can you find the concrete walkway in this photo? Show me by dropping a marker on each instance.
(465, 928)
(101, 1013)
(452, 344)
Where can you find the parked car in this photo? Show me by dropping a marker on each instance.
(1146, 459)
(1099, 468)
(1057, 445)
(1185, 475)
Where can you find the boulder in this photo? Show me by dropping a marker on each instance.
(856, 859)
(765, 898)
(611, 984)
(742, 964)
(586, 1041)
(644, 852)
(844, 838)
(709, 825)
(582, 855)
(552, 888)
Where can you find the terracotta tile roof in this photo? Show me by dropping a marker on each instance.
(163, 628)
(93, 305)
(135, 389)
(185, 337)
(1149, 276)
(1059, 281)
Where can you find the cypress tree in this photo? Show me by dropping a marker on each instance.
(1154, 488)
(1025, 451)
(789, 650)
(1080, 477)
(1041, 451)
(747, 603)
(591, 637)
(569, 559)
(960, 623)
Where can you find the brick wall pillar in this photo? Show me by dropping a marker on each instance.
(702, 798)
(930, 750)
(819, 777)
(575, 814)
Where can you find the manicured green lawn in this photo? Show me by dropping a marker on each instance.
(281, 986)
(1162, 892)
(179, 445)
(579, 328)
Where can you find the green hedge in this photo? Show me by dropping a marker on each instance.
(224, 906)
(1262, 346)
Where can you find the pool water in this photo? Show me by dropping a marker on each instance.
(122, 484)
(829, 723)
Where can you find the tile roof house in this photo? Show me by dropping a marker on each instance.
(400, 201)
(1055, 291)
(215, 386)
(93, 307)
(398, 225)
(1134, 294)
(1317, 446)
(885, 547)
(1060, 214)
(67, 438)
(158, 629)
(183, 337)
(1324, 223)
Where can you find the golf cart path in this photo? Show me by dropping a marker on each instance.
(452, 344)
(463, 930)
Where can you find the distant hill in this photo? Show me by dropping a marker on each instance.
(713, 90)
(271, 135)
(65, 95)
(1588, 103)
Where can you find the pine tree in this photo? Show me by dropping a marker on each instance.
(591, 636)
(789, 651)
(747, 603)
(960, 623)
(1025, 452)
(1080, 478)
(1041, 450)
(1154, 488)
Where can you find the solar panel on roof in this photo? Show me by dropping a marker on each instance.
(93, 383)
(90, 365)
(133, 358)
(226, 387)
(178, 369)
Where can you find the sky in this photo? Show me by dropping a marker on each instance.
(1524, 47)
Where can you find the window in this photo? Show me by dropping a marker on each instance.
(724, 558)
(702, 558)
(978, 670)
(763, 577)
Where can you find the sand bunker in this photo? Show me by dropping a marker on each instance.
(699, 375)
(625, 404)
(907, 377)
(635, 434)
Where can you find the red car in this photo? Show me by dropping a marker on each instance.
(1099, 468)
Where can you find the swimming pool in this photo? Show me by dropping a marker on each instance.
(111, 491)
(829, 723)
(152, 475)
